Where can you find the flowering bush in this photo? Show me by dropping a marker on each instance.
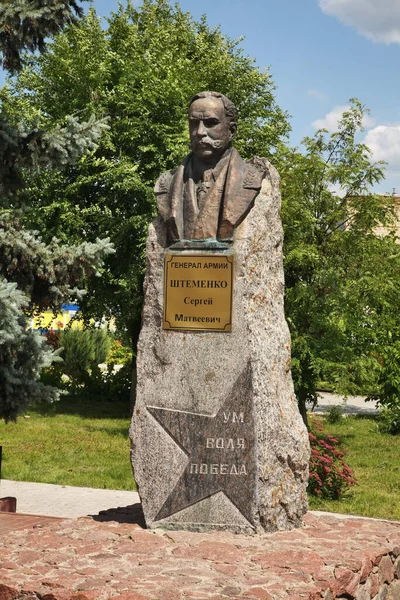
(330, 475)
(53, 339)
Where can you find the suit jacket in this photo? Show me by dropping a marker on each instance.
(228, 202)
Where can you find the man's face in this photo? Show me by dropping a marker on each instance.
(210, 133)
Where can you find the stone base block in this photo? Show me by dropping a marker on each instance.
(217, 440)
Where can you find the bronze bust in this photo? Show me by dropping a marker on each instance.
(213, 189)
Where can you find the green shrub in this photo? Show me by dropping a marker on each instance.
(334, 414)
(388, 392)
(119, 354)
(110, 384)
(79, 372)
(102, 342)
(83, 348)
(77, 353)
(53, 376)
(389, 420)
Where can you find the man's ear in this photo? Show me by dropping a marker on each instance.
(232, 130)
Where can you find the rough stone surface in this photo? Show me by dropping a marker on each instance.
(212, 378)
(374, 585)
(385, 571)
(382, 594)
(395, 590)
(364, 591)
(397, 564)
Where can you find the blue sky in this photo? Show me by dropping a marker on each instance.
(320, 53)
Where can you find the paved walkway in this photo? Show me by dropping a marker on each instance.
(71, 502)
(352, 405)
(80, 559)
(10, 522)
(64, 500)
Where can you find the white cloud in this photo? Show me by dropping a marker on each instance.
(337, 189)
(330, 121)
(378, 20)
(384, 142)
(317, 94)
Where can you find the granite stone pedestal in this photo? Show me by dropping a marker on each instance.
(217, 441)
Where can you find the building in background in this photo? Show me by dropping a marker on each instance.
(381, 230)
(57, 321)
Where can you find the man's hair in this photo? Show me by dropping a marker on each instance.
(231, 111)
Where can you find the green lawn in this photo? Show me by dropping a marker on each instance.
(72, 442)
(85, 443)
(375, 460)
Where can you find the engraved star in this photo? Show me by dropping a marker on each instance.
(220, 450)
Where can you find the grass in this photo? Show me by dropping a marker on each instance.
(85, 443)
(71, 442)
(374, 458)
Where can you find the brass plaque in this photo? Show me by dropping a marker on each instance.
(198, 290)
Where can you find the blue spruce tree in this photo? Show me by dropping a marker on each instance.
(35, 275)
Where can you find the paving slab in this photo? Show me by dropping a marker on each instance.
(64, 500)
(81, 559)
(12, 521)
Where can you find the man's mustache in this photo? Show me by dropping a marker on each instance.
(216, 144)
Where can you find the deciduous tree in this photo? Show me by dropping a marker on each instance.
(341, 276)
(141, 72)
